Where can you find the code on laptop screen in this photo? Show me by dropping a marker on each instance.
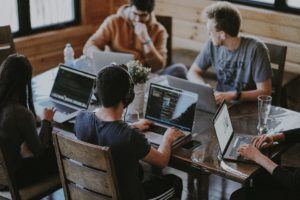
(73, 87)
(171, 106)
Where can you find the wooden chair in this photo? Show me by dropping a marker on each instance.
(37, 190)
(86, 170)
(166, 21)
(7, 46)
(277, 56)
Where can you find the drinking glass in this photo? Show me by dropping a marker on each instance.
(264, 108)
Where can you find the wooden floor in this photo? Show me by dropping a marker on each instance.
(219, 188)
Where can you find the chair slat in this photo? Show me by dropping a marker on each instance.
(7, 45)
(88, 178)
(82, 194)
(87, 154)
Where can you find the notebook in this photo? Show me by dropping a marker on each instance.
(169, 107)
(206, 101)
(104, 58)
(71, 92)
(229, 142)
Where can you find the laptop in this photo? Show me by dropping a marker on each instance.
(229, 142)
(206, 101)
(104, 58)
(71, 92)
(169, 107)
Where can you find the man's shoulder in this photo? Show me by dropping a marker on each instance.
(158, 27)
(114, 19)
(254, 43)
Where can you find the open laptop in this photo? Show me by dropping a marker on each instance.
(104, 58)
(229, 142)
(169, 107)
(71, 92)
(206, 101)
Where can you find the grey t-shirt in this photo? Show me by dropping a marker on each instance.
(240, 69)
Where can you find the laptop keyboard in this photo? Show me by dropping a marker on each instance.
(239, 141)
(59, 107)
(157, 129)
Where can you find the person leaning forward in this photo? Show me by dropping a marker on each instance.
(135, 30)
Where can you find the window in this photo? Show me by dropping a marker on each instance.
(31, 16)
(290, 6)
(293, 3)
(9, 14)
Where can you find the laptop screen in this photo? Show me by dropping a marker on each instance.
(223, 127)
(170, 106)
(73, 86)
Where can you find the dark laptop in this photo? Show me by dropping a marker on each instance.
(169, 107)
(71, 92)
(229, 142)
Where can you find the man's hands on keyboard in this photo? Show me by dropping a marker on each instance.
(172, 134)
(142, 124)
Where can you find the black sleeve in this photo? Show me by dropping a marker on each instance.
(290, 180)
(140, 144)
(27, 126)
(292, 135)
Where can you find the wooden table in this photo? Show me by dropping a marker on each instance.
(204, 160)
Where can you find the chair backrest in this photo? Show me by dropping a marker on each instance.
(7, 45)
(86, 170)
(277, 56)
(166, 21)
(36, 190)
(7, 177)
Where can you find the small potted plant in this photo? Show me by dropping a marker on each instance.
(139, 74)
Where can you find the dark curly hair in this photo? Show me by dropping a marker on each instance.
(112, 85)
(226, 16)
(15, 82)
(143, 5)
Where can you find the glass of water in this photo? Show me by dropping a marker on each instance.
(264, 108)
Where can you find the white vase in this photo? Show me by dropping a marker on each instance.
(137, 106)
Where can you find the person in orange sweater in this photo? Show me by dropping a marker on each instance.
(134, 29)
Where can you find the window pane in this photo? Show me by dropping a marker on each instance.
(293, 3)
(9, 14)
(266, 1)
(45, 12)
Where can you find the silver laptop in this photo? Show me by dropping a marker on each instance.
(169, 107)
(206, 101)
(71, 92)
(104, 58)
(229, 142)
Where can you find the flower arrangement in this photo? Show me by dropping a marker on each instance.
(138, 72)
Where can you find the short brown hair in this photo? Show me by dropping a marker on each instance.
(226, 16)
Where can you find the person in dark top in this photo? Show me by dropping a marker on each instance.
(283, 183)
(32, 153)
(114, 90)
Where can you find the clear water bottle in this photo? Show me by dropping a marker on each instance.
(69, 55)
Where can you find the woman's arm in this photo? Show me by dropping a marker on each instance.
(292, 135)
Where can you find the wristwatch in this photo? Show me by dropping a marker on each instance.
(148, 41)
(238, 95)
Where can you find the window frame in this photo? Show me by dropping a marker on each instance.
(25, 23)
(279, 5)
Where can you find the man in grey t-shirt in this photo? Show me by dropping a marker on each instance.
(242, 63)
